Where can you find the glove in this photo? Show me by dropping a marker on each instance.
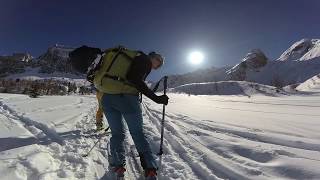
(163, 99)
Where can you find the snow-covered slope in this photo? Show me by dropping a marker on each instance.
(203, 75)
(302, 50)
(206, 137)
(311, 85)
(282, 73)
(227, 88)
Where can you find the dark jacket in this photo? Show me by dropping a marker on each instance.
(139, 70)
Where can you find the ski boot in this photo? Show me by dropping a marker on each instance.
(150, 174)
(119, 172)
(99, 126)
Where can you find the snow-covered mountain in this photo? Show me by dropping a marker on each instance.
(54, 63)
(302, 50)
(297, 64)
(56, 59)
(253, 61)
(15, 63)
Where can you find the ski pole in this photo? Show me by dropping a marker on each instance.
(163, 115)
(94, 145)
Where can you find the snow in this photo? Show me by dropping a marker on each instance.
(311, 85)
(285, 72)
(206, 137)
(227, 88)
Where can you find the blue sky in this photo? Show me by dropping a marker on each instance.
(224, 30)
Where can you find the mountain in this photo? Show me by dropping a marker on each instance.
(253, 61)
(55, 60)
(15, 63)
(54, 63)
(297, 64)
(303, 50)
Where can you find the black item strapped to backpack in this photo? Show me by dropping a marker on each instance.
(81, 58)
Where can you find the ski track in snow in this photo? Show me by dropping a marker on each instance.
(66, 147)
(182, 134)
(39, 130)
(177, 146)
(188, 153)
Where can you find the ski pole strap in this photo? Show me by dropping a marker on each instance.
(118, 51)
(157, 86)
(140, 97)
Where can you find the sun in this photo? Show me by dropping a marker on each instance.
(196, 57)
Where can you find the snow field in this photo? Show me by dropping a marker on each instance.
(206, 137)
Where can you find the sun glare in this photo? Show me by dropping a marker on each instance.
(196, 57)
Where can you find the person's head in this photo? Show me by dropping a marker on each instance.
(156, 60)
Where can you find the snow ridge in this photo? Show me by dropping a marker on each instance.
(302, 50)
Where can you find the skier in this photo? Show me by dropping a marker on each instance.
(122, 100)
(119, 74)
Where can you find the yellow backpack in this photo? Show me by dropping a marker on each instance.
(111, 76)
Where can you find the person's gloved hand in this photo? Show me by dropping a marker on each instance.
(163, 99)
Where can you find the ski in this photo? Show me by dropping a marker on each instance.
(94, 145)
(97, 133)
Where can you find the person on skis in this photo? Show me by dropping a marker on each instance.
(120, 74)
(122, 100)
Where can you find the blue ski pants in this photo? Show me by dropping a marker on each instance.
(116, 106)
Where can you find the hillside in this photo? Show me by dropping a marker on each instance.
(311, 85)
(228, 88)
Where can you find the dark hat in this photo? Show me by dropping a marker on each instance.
(158, 56)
